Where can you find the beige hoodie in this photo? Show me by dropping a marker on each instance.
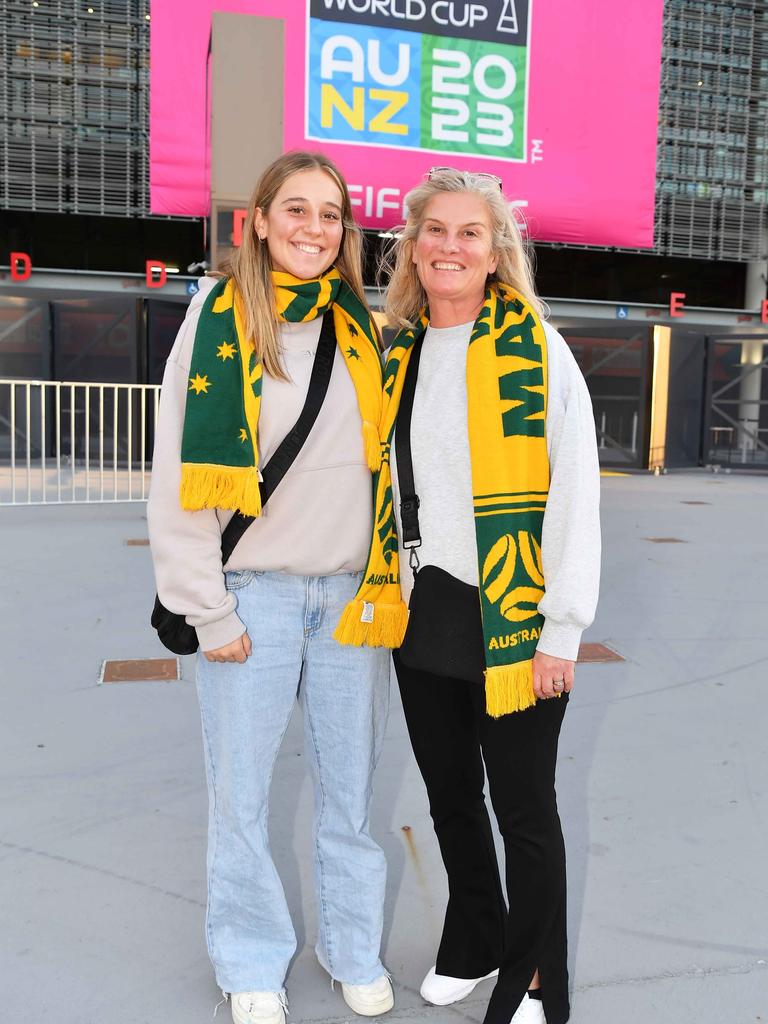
(318, 522)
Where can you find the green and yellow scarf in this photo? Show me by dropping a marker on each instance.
(507, 402)
(219, 451)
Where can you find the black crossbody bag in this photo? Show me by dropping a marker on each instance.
(445, 629)
(173, 630)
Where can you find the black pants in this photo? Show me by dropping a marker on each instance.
(452, 736)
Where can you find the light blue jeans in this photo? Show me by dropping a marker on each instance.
(344, 696)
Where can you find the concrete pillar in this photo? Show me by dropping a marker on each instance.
(750, 387)
(756, 285)
(247, 87)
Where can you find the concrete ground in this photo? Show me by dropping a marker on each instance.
(662, 784)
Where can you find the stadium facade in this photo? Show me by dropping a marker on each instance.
(673, 341)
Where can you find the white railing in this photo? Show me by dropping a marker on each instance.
(75, 442)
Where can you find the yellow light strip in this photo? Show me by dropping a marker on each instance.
(659, 396)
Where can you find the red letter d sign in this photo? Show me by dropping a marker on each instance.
(21, 266)
(155, 267)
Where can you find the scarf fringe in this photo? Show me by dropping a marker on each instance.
(509, 688)
(386, 630)
(232, 487)
(372, 445)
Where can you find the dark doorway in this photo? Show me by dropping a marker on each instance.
(616, 366)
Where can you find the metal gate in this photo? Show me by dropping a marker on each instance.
(736, 409)
(75, 442)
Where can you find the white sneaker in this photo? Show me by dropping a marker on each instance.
(258, 1008)
(442, 990)
(369, 1000)
(530, 1011)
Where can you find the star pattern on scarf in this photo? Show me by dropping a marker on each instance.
(199, 384)
(352, 353)
(226, 351)
(243, 434)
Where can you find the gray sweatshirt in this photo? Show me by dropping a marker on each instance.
(318, 521)
(442, 472)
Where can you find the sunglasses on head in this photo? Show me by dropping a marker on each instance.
(436, 172)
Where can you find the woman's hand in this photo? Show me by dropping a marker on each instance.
(548, 671)
(238, 650)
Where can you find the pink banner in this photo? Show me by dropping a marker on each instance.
(559, 99)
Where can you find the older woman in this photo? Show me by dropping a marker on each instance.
(498, 516)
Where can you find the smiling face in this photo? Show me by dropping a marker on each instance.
(453, 254)
(303, 226)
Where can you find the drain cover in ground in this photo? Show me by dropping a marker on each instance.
(597, 653)
(665, 540)
(140, 670)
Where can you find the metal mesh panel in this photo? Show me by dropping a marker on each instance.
(712, 184)
(74, 102)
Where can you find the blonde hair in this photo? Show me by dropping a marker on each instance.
(405, 295)
(250, 267)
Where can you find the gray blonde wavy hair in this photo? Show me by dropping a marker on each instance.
(405, 295)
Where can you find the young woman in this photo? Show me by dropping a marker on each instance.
(506, 474)
(234, 385)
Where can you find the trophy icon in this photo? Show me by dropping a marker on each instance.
(508, 18)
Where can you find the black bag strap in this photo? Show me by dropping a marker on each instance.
(288, 449)
(409, 499)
